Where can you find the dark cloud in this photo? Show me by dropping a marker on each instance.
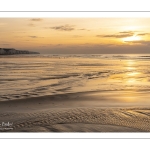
(35, 37)
(83, 29)
(36, 19)
(64, 28)
(142, 42)
(143, 34)
(127, 32)
(119, 35)
(123, 34)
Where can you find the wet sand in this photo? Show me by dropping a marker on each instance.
(75, 112)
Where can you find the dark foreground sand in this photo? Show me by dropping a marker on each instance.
(73, 113)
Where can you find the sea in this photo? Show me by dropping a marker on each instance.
(35, 75)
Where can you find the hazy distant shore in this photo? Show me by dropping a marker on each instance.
(12, 51)
(73, 113)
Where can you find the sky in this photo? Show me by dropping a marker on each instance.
(76, 35)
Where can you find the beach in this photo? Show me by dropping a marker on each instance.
(74, 94)
(73, 113)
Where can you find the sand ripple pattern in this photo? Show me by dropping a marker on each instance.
(81, 120)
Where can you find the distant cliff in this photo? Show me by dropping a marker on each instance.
(12, 51)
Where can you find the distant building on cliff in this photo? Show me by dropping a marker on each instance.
(12, 51)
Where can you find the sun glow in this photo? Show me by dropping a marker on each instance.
(132, 38)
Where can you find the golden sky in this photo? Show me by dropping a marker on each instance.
(76, 35)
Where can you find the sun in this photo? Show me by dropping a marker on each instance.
(132, 38)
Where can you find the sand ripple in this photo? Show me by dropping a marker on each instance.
(81, 119)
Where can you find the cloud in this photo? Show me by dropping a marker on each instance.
(36, 19)
(64, 28)
(127, 32)
(83, 29)
(123, 34)
(141, 42)
(143, 34)
(35, 37)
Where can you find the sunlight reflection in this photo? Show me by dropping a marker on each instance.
(130, 68)
(131, 80)
(130, 65)
(132, 75)
(130, 62)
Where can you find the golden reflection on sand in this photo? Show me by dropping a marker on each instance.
(131, 79)
(132, 75)
(130, 62)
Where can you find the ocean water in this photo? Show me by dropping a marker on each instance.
(25, 76)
